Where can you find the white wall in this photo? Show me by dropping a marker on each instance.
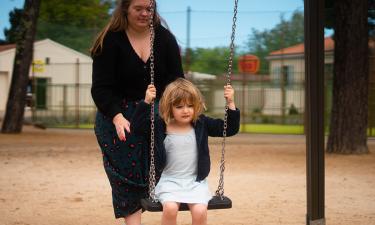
(293, 96)
(4, 89)
(62, 70)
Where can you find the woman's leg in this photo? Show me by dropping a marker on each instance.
(124, 164)
(134, 219)
(170, 210)
(198, 214)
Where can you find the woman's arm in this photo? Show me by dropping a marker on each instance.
(103, 79)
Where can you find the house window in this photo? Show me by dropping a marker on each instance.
(287, 75)
(41, 93)
(284, 75)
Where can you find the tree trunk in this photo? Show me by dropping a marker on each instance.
(349, 116)
(24, 51)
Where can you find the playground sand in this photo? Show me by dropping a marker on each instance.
(56, 177)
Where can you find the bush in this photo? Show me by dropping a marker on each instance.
(293, 110)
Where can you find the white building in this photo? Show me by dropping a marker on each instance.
(287, 65)
(53, 63)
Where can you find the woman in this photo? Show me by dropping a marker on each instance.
(121, 68)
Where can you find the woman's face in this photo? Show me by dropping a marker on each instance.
(138, 14)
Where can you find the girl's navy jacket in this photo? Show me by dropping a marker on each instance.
(204, 127)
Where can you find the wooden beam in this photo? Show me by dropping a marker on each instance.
(314, 77)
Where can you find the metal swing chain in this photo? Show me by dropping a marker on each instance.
(220, 188)
(152, 179)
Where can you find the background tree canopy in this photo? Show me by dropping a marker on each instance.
(73, 23)
(329, 14)
(12, 34)
(76, 23)
(211, 60)
(69, 22)
(284, 34)
(260, 43)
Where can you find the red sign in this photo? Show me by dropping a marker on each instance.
(248, 64)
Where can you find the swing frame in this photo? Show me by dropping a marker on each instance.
(315, 214)
(218, 201)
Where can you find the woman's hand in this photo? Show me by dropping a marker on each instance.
(150, 94)
(121, 125)
(229, 96)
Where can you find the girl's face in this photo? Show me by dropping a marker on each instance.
(138, 14)
(183, 113)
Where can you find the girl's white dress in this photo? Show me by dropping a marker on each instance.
(178, 180)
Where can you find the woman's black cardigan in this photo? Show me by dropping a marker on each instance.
(120, 74)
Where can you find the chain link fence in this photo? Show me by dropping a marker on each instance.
(261, 100)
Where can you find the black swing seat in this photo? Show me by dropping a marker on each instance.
(215, 203)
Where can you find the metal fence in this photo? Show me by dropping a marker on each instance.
(261, 102)
(67, 105)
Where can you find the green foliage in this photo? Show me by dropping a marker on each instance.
(257, 110)
(74, 37)
(371, 15)
(284, 34)
(12, 34)
(261, 43)
(329, 14)
(272, 129)
(74, 23)
(293, 110)
(210, 60)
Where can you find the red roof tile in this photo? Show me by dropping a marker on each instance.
(300, 48)
(6, 47)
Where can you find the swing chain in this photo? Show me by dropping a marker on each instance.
(152, 179)
(220, 189)
(230, 64)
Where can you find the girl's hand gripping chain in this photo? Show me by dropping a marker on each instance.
(229, 96)
(150, 94)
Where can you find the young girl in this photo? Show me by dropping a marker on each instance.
(181, 146)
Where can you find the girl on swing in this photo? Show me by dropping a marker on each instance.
(181, 145)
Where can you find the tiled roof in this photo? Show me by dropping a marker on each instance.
(300, 48)
(6, 47)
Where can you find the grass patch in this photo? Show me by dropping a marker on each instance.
(73, 126)
(272, 129)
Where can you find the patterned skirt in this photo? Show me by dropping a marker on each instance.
(125, 163)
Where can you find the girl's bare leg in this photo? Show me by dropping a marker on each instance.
(170, 210)
(198, 214)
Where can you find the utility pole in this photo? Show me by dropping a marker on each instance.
(187, 50)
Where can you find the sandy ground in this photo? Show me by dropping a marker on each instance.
(56, 177)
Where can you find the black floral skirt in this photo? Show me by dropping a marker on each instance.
(125, 163)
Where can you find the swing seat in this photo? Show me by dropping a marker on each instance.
(215, 203)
